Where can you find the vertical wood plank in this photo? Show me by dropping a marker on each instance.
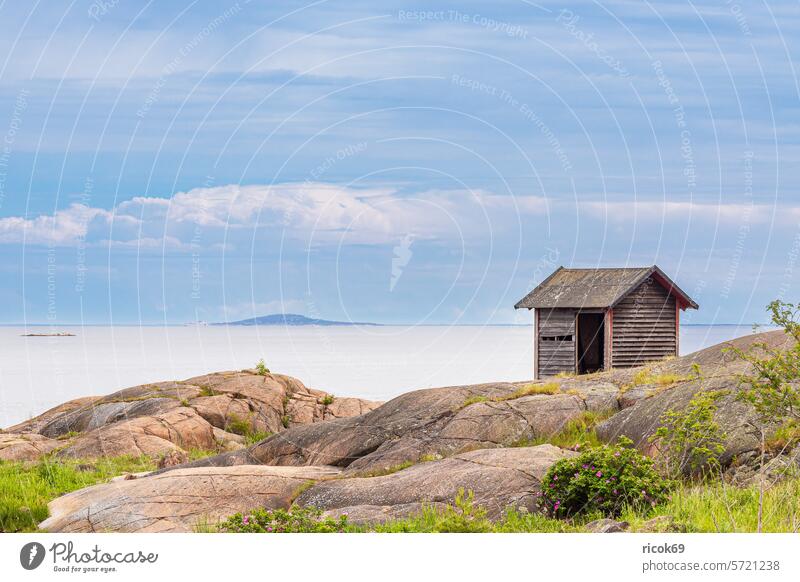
(535, 344)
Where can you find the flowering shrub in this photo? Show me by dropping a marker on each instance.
(602, 480)
(295, 520)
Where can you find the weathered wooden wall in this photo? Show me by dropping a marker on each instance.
(556, 356)
(644, 326)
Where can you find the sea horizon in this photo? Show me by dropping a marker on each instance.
(372, 362)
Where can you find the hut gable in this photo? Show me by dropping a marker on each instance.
(595, 319)
(595, 288)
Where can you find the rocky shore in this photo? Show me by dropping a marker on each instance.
(280, 443)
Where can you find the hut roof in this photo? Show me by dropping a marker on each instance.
(596, 288)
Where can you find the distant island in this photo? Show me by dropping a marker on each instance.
(54, 334)
(290, 319)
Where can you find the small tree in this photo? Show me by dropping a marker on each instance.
(261, 368)
(773, 388)
(690, 440)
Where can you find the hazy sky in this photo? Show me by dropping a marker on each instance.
(409, 162)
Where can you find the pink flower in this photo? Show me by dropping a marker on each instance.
(599, 473)
(615, 492)
(246, 519)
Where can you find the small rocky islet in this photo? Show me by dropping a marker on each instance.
(279, 443)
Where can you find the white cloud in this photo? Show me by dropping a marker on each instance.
(64, 227)
(314, 213)
(650, 211)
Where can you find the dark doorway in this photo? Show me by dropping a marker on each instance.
(591, 328)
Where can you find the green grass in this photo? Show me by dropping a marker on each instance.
(473, 400)
(238, 425)
(530, 389)
(578, 431)
(527, 390)
(197, 454)
(327, 400)
(718, 507)
(244, 427)
(452, 520)
(707, 508)
(387, 470)
(256, 436)
(69, 435)
(646, 377)
(26, 488)
(299, 491)
(208, 391)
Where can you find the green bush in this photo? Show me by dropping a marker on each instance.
(690, 441)
(261, 368)
(602, 480)
(294, 520)
(773, 387)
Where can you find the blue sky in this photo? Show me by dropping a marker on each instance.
(407, 162)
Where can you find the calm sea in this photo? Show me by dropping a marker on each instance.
(378, 363)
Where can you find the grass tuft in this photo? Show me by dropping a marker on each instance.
(387, 470)
(646, 377)
(527, 390)
(578, 433)
(208, 391)
(244, 427)
(474, 400)
(531, 389)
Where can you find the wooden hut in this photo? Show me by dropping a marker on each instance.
(587, 320)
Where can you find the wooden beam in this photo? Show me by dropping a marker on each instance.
(535, 344)
(577, 331)
(608, 357)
